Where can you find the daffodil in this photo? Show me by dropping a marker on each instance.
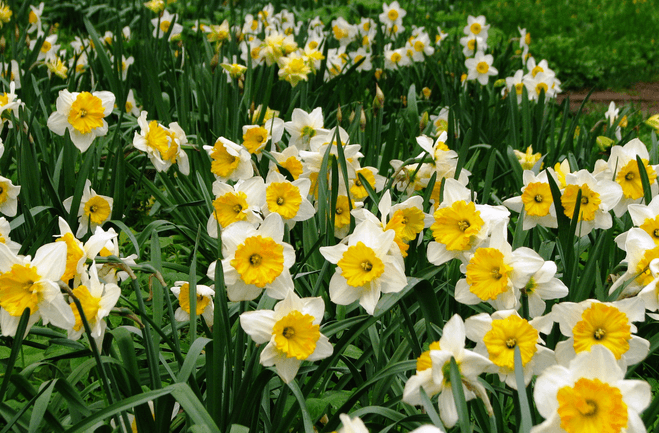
(229, 160)
(495, 274)
(536, 201)
(437, 380)
(78, 252)
(256, 260)
(610, 324)
(343, 31)
(166, 23)
(304, 126)
(641, 250)
(49, 48)
(83, 115)
(461, 226)
(161, 144)
(541, 286)
(472, 44)
(476, 26)
(94, 209)
(5, 229)
(392, 18)
(351, 425)
(241, 202)
(294, 68)
(622, 166)
(289, 159)
(9, 103)
(650, 293)
(645, 217)
(288, 199)
(292, 334)
(395, 58)
(204, 308)
(590, 395)
(32, 283)
(365, 269)
(34, 18)
(131, 104)
(8, 196)
(598, 197)
(97, 300)
(498, 335)
(11, 72)
(480, 68)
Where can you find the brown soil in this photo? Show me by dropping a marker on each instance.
(644, 96)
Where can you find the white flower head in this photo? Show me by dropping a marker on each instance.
(83, 115)
(204, 308)
(94, 210)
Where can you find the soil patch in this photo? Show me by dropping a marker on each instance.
(644, 96)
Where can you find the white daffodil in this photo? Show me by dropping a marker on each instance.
(94, 209)
(11, 72)
(480, 68)
(641, 251)
(304, 126)
(461, 226)
(650, 293)
(9, 103)
(541, 286)
(392, 15)
(351, 425)
(32, 283)
(443, 158)
(83, 115)
(205, 306)
(162, 145)
(593, 323)
(290, 159)
(364, 267)
(34, 18)
(476, 26)
(292, 333)
(597, 199)
(536, 200)
(590, 395)
(495, 274)
(5, 228)
(131, 104)
(516, 85)
(163, 24)
(541, 82)
(48, 49)
(357, 189)
(645, 217)
(288, 199)
(97, 300)
(241, 202)
(436, 379)
(77, 253)
(229, 161)
(623, 167)
(256, 259)
(8, 197)
(472, 44)
(107, 272)
(395, 58)
(420, 47)
(497, 336)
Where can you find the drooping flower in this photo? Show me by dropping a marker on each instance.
(83, 115)
(291, 331)
(590, 395)
(97, 300)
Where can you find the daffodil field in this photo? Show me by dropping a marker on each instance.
(292, 217)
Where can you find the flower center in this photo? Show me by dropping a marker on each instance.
(229, 208)
(482, 67)
(487, 274)
(475, 28)
(590, 201)
(602, 324)
(97, 209)
(505, 335)
(591, 406)
(86, 113)
(296, 335)
(454, 226)
(90, 306)
(18, 290)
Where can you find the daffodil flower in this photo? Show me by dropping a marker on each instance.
(94, 209)
(365, 269)
(646, 217)
(97, 300)
(641, 250)
(32, 283)
(291, 331)
(8, 196)
(436, 379)
(590, 395)
(304, 126)
(83, 115)
(536, 200)
(351, 425)
(496, 337)
(241, 202)
(256, 259)
(480, 68)
(205, 306)
(476, 26)
(5, 228)
(229, 160)
(592, 323)
(288, 199)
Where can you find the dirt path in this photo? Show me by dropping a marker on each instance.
(644, 97)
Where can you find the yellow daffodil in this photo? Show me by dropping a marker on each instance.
(94, 209)
(204, 308)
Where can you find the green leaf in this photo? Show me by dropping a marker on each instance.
(459, 396)
(527, 422)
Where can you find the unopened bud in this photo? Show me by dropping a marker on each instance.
(339, 114)
(378, 102)
(214, 62)
(352, 116)
(378, 74)
(362, 120)
(425, 118)
(603, 142)
(426, 92)
(653, 122)
(623, 122)
(500, 82)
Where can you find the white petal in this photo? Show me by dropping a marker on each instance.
(258, 325)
